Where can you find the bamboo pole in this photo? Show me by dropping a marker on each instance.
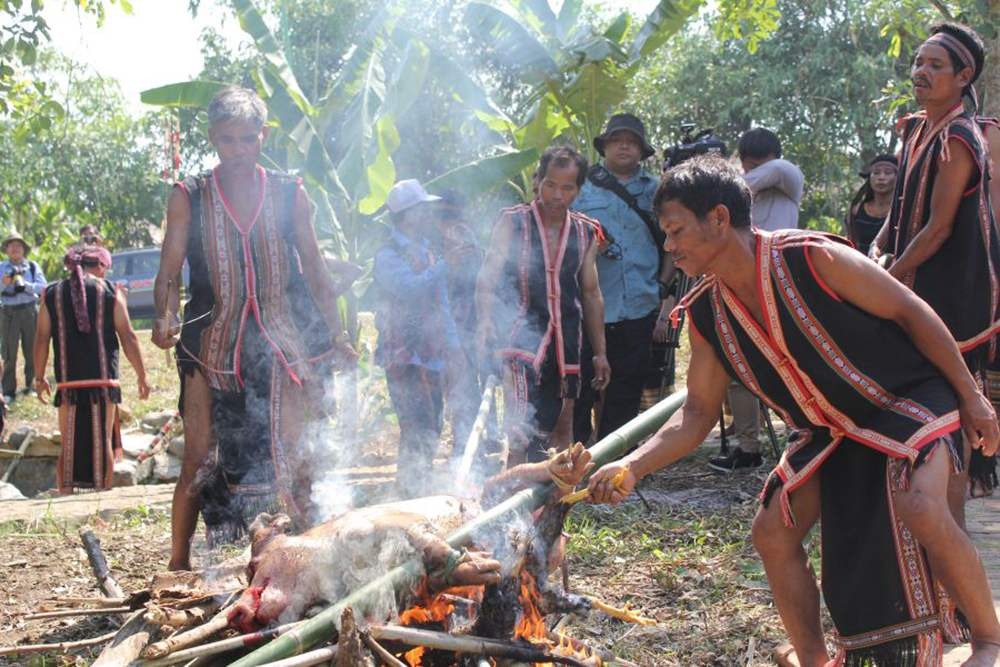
(476, 434)
(318, 656)
(320, 627)
(470, 645)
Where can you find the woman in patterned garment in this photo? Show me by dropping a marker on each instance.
(89, 316)
(941, 229)
(872, 388)
(261, 331)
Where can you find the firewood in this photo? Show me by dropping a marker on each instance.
(99, 564)
(184, 616)
(468, 644)
(218, 623)
(91, 601)
(382, 653)
(64, 613)
(350, 649)
(128, 642)
(221, 646)
(61, 647)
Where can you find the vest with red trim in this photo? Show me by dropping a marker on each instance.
(538, 311)
(960, 280)
(242, 278)
(830, 369)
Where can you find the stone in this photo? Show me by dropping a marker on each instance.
(125, 473)
(32, 474)
(17, 437)
(155, 420)
(144, 471)
(176, 446)
(166, 468)
(42, 446)
(135, 443)
(10, 492)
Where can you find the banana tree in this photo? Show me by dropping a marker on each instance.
(577, 74)
(343, 143)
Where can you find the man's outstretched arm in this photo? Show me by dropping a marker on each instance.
(684, 431)
(130, 343)
(593, 316)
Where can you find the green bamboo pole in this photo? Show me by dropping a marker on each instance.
(323, 625)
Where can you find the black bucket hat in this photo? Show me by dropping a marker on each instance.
(625, 121)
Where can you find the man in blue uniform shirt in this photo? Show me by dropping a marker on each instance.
(22, 282)
(619, 194)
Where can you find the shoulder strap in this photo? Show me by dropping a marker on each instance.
(34, 269)
(602, 178)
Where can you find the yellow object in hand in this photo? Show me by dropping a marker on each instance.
(583, 494)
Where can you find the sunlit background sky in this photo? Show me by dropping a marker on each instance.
(159, 42)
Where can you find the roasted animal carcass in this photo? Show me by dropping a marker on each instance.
(290, 573)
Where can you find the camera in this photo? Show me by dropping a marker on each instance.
(16, 275)
(692, 144)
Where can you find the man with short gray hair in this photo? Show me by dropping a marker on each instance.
(260, 331)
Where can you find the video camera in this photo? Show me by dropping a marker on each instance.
(692, 144)
(16, 275)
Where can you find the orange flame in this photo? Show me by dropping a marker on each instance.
(531, 625)
(439, 607)
(413, 656)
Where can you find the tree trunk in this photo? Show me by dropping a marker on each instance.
(989, 81)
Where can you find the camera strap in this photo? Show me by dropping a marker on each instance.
(602, 178)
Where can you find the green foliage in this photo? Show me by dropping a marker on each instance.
(824, 100)
(95, 164)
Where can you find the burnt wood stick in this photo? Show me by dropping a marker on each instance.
(99, 564)
(476, 434)
(468, 644)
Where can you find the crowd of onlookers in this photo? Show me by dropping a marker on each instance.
(534, 319)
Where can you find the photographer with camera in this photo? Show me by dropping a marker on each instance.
(776, 187)
(618, 193)
(23, 281)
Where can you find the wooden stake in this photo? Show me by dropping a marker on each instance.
(99, 564)
(218, 623)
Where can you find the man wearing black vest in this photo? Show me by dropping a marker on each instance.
(619, 194)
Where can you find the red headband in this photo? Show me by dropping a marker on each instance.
(955, 45)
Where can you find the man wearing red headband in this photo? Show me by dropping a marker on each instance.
(90, 318)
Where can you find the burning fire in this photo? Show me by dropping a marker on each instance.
(531, 625)
(437, 609)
